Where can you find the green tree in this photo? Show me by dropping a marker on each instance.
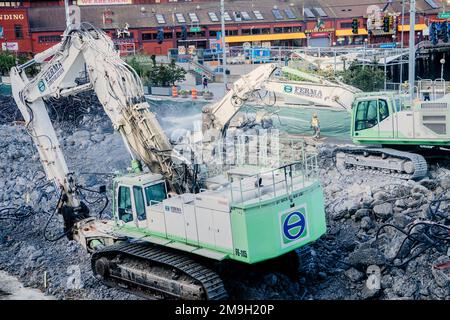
(367, 78)
(7, 61)
(163, 75)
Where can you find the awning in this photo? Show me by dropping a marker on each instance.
(265, 37)
(417, 27)
(348, 32)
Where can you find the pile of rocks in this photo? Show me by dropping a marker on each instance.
(357, 207)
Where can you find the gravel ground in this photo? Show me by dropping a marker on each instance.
(338, 266)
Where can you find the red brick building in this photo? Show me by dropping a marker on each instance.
(33, 26)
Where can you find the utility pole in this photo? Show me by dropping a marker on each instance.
(224, 54)
(412, 48)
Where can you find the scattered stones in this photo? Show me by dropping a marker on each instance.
(354, 275)
(383, 210)
(361, 213)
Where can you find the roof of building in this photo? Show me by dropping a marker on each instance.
(208, 13)
(144, 16)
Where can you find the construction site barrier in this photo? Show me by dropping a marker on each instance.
(194, 93)
(174, 92)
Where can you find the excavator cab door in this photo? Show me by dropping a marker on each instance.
(371, 119)
(124, 204)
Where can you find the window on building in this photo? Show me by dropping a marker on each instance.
(160, 18)
(278, 30)
(180, 17)
(258, 15)
(297, 29)
(246, 32)
(231, 32)
(256, 31)
(237, 16)
(245, 15)
(346, 25)
(213, 16)
(287, 29)
(320, 12)
(277, 14)
(148, 36)
(47, 39)
(265, 31)
(289, 13)
(10, 3)
(196, 34)
(432, 4)
(212, 33)
(308, 13)
(226, 16)
(18, 31)
(193, 17)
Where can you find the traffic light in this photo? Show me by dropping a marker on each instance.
(444, 31)
(184, 33)
(386, 24)
(434, 33)
(160, 36)
(355, 24)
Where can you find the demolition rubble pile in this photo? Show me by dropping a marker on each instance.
(337, 266)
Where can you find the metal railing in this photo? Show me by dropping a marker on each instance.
(282, 181)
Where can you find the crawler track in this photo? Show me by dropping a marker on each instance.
(382, 161)
(153, 272)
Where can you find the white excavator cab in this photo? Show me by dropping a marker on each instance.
(133, 194)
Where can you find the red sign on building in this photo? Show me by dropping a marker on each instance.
(15, 35)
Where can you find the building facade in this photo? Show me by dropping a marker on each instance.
(140, 25)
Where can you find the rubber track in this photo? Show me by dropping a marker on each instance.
(210, 280)
(420, 164)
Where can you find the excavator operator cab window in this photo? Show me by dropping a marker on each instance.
(139, 203)
(366, 114)
(369, 113)
(155, 193)
(125, 208)
(383, 109)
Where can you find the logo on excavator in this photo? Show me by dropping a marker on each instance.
(293, 226)
(41, 86)
(288, 89)
(53, 73)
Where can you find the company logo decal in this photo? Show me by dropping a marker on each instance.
(294, 226)
(288, 89)
(41, 86)
(53, 73)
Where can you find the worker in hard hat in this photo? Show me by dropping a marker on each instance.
(315, 125)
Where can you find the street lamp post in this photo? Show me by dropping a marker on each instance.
(442, 61)
(412, 49)
(66, 8)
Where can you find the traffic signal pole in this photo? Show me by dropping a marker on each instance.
(412, 49)
(224, 51)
